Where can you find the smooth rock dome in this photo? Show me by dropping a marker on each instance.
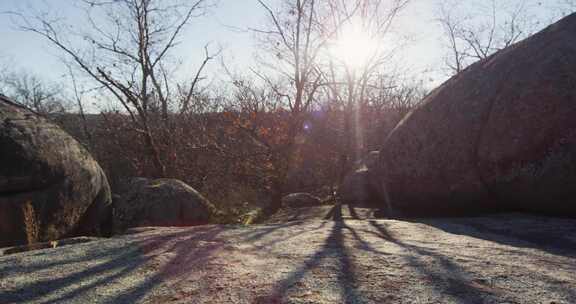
(501, 135)
(50, 186)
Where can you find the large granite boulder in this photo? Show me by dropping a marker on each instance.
(499, 135)
(50, 186)
(160, 202)
(298, 200)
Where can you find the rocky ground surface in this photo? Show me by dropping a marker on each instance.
(323, 255)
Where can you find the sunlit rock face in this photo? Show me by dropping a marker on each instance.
(50, 186)
(499, 135)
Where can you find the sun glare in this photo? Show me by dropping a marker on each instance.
(354, 46)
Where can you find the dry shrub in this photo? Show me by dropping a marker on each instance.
(31, 223)
(231, 157)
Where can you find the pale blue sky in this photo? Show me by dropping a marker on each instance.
(29, 52)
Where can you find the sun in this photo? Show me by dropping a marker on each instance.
(354, 46)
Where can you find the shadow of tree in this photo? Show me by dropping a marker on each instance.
(187, 258)
(449, 278)
(552, 235)
(122, 262)
(116, 263)
(252, 235)
(196, 249)
(353, 212)
(288, 236)
(188, 249)
(333, 248)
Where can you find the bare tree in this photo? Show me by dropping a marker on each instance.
(78, 98)
(475, 30)
(301, 72)
(33, 92)
(351, 83)
(126, 52)
(451, 27)
(296, 35)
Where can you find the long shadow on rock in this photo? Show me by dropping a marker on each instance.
(11, 265)
(120, 262)
(297, 232)
(148, 248)
(353, 212)
(188, 254)
(334, 214)
(334, 248)
(449, 279)
(124, 260)
(552, 235)
(252, 235)
(549, 234)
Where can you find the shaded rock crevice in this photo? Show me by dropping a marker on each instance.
(492, 194)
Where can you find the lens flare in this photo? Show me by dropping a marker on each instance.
(354, 45)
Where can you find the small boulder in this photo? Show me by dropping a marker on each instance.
(50, 186)
(298, 200)
(160, 202)
(360, 188)
(371, 160)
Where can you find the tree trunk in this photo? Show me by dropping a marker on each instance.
(159, 168)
